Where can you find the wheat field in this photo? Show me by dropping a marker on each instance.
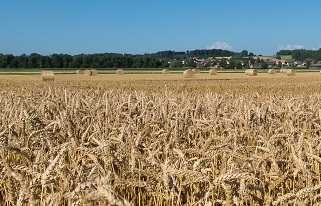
(219, 140)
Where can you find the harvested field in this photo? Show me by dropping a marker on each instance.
(227, 139)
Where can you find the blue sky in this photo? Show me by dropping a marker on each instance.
(147, 26)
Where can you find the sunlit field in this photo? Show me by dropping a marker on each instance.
(154, 139)
(177, 75)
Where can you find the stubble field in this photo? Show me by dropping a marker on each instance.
(227, 139)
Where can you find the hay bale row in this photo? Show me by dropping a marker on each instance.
(196, 71)
(271, 71)
(165, 71)
(188, 73)
(87, 72)
(91, 72)
(251, 72)
(94, 72)
(283, 71)
(212, 72)
(120, 72)
(289, 72)
(47, 75)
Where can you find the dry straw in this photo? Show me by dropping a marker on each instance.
(212, 72)
(271, 71)
(88, 72)
(47, 75)
(196, 71)
(79, 71)
(290, 72)
(188, 73)
(284, 71)
(281, 71)
(93, 72)
(165, 71)
(251, 72)
(120, 72)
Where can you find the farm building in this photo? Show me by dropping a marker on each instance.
(315, 66)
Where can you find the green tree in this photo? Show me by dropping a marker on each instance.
(223, 63)
(178, 63)
(238, 65)
(245, 53)
(191, 63)
(6, 60)
(23, 61)
(308, 61)
(264, 65)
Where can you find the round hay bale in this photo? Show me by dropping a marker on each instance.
(212, 72)
(290, 72)
(284, 71)
(196, 71)
(120, 72)
(165, 71)
(281, 71)
(87, 72)
(93, 72)
(47, 75)
(188, 73)
(79, 71)
(271, 71)
(251, 72)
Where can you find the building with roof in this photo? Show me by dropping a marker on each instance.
(315, 66)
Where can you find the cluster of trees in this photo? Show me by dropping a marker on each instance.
(302, 54)
(111, 60)
(106, 60)
(199, 53)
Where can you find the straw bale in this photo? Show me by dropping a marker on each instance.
(93, 72)
(251, 72)
(290, 72)
(284, 71)
(120, 72)
(88, 72)
(165, 71)
(212, 72)
(281, 71)
(79, 71)
(196, 71)
(271, 71)
(47, 75)
(188, 73)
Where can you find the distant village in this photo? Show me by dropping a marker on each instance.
(275, 63)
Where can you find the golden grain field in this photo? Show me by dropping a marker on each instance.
(226, 139)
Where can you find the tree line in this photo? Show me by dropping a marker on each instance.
(107, 60)
(160, 59)
(302, 54)
(198, 53)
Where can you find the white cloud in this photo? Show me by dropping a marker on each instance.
(291, 47)
(220, 45)
(319, 47)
